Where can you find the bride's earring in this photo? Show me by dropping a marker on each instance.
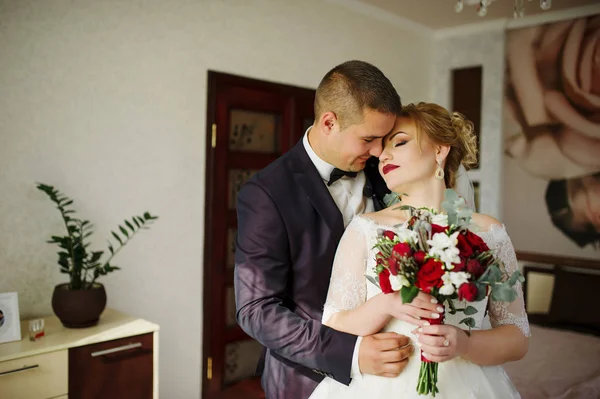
(439, 172)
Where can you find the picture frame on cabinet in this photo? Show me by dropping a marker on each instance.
(10, 323)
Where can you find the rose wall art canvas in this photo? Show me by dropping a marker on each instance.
(551, 129)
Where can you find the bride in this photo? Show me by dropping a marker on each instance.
(420, 159)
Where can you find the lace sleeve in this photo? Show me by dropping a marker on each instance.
(348, 288)
(502, 313)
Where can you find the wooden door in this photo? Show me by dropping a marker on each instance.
(250, 123)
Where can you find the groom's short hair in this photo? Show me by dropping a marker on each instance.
(353, 87)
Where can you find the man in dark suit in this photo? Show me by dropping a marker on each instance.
(291, 216)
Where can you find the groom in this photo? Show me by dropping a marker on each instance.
(291, 216)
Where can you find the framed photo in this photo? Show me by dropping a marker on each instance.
(551, 164)
(10, 323)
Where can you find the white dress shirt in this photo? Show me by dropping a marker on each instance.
(347, 193)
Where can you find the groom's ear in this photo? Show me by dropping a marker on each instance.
(329, 122)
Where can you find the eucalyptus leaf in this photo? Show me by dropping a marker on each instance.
(391, 199)
(503, 292)
(481, 291)
(372, 280)
(470, 310)
(492, 275)
(469, 321)
(516, 276)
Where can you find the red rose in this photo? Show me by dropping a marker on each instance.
(476, 243)
(393, 265)
(460, 267)
(430, 275)
(475, 268)
(402, 249)
(420, 257)
(389, 234)
(464, 247)
(467, 291)
(384, 282)
(436, 228)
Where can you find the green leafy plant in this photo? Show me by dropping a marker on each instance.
(82, 265)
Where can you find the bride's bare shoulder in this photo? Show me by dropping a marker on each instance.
(485, 222)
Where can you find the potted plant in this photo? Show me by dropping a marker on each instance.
(80, 302)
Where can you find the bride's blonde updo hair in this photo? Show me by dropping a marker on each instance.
(445, 128)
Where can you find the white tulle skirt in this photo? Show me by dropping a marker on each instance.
(457, 379)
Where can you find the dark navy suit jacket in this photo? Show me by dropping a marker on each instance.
(288, 230)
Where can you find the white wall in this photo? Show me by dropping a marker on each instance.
(107, 101)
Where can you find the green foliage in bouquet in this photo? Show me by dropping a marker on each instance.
(75, 259)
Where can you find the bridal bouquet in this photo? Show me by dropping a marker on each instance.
(438, 254)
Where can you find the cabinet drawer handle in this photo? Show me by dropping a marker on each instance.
(24, 368)
(117, 349)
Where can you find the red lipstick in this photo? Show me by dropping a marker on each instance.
(389, 168)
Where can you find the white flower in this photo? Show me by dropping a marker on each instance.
(447, 289)
(441, 219)
(439, 242)
(407, 235)
(446, 278)
(458, 278)
(450, 256)
(443, 246)
(398, 281)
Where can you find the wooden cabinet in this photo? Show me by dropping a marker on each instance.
(118, 369)
(115, 359)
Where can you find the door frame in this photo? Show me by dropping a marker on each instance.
(301, 104)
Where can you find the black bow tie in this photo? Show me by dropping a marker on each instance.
(337, 174)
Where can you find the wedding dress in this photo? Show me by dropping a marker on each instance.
(457, 378)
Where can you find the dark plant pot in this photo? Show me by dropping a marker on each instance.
(78, 308)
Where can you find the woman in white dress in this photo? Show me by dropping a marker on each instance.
(425, 138)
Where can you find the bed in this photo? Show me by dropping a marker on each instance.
(563, 361)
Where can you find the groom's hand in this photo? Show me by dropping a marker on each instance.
(384, 354)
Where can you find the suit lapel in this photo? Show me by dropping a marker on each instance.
(308, 178)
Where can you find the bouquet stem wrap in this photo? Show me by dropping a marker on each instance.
(429, 370)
